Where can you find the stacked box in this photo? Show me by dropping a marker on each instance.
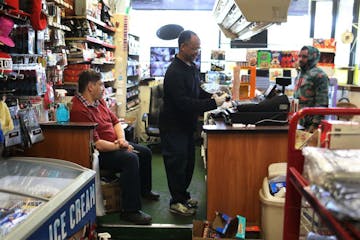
(198, 231)
(71, 73)
(111, 196)
(337, 134)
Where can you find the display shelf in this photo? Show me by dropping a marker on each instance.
(130, 85)
(69, 83)
(17, 15)
(25, 55)
(102, 62)
(94, 20)
(108, 80)
(77, 60)
(91, 40)
(61, 3)
(297, 185)
(59, 26)
(93, 62)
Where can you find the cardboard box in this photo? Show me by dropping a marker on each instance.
(111, 196)
(303, 139)
(337, 134)
(198, 230)
(86, 7)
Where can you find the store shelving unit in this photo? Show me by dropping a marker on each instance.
(101, 37)
(133, 73)
(132, 83)
(244, 82)
(327, 48)
(297, 185)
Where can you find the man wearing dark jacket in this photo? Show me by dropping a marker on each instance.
(184, 101)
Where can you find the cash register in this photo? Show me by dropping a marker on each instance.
(270, 109)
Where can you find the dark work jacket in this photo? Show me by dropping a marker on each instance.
(184, 99)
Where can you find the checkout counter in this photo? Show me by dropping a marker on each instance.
(237, 162)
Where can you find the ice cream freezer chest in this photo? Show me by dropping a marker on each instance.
(42, 198)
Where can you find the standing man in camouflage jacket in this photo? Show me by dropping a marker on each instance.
(311, 86)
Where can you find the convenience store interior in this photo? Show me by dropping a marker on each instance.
(141, 21)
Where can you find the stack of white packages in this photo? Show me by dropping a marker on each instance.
(334, 176)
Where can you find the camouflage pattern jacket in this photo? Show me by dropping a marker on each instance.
(312, 88)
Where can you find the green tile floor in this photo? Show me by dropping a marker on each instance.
(165, 225)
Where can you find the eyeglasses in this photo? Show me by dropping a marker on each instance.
(192, 48)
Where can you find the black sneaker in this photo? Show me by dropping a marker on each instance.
(152, 196)
(136, 217)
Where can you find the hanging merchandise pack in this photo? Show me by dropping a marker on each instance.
(5, 118)
(30, 126)
(1, 142)
(14, 137)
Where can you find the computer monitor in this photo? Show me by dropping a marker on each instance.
(161, 57)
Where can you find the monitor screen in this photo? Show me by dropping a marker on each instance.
(259, 40)
(161, 57)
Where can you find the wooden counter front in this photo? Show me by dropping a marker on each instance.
(237, 162)
(66, 141)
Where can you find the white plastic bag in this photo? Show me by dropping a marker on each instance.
(100, 209)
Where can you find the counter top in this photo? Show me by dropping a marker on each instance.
(70, 141)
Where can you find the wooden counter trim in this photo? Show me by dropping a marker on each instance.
(77, 125)
(352, 88)
(220, 126)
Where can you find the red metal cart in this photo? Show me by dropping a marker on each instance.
(296, 183)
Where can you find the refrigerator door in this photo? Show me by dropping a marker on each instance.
(61, 196)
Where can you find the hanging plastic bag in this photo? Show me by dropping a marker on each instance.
(100, 209)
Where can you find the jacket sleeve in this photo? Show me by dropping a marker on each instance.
(321, 85)
(177, 91)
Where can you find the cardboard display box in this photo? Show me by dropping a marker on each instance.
(338, 134)
(198, 230)
(111, 196)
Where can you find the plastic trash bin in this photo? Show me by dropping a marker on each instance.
(272, 207)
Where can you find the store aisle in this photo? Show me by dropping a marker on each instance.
(165, 225)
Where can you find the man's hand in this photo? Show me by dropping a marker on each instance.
(130, 148)
(123, 144)
(219, 99)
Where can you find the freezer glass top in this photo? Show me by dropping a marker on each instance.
(36, 178)
(14, 209)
